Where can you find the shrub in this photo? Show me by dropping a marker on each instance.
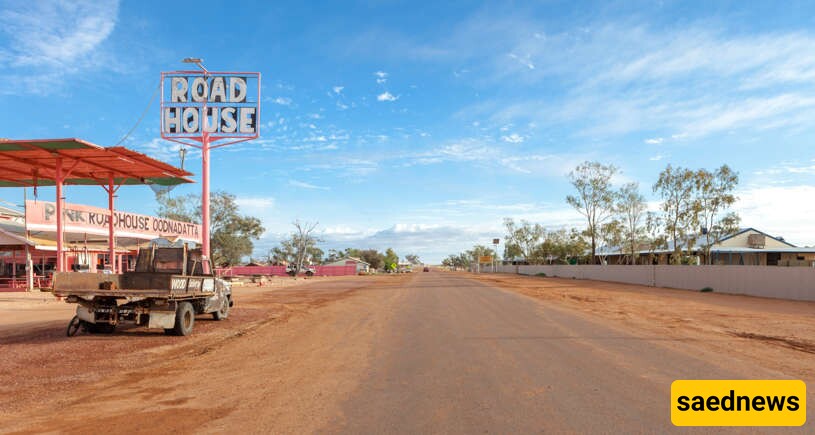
(706, 290)
(540, 274)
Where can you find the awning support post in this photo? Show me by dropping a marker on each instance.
(29, 269)
(58, 179)
(111, 241)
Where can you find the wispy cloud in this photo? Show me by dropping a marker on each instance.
(283, 101)
(304, 185)
(617, 77)
(164, 150)
(381, 77)
(254, 203)
(55, 34)
(49, 40)
(386, 96)
(787, 204)
(513, 138)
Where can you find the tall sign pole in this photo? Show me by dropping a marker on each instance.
(200, 108)
(495, 256)
(205, 224)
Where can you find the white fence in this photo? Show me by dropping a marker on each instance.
(795, 283)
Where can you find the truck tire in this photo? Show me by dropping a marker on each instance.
(222, 312)
(184, 319)
(73, 326)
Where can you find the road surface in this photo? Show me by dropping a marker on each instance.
(421, 353)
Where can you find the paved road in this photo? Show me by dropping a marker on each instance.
(428, 353)
(462, 357)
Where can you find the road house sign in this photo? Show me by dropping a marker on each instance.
(41, 216)
(220, 104)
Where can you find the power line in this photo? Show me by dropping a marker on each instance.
(142, 115)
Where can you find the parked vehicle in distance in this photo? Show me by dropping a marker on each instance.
(426, 269)
(291, 270)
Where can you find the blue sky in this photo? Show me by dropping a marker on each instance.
(420, 126)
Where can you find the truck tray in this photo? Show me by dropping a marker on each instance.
(132, 284)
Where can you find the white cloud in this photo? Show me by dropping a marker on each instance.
(779, 211)
(165, 151)
(381, 77)
(655, 141)
(523, 60)
(386, 96)
(55, 33)
(283, 101)
(617, 78)
(47, 41)
(788, 168)
(490, 154)
(251, 204)
(513, 138)
(338, 89)
(304, 185)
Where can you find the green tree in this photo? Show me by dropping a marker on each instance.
(630, 210)
(576, 247)
(374, 258)
(595, 197)
(299, 248)
(412, 259)
(456, 261)
(551, 249)
(522, 239)
(676, 187)
(334, 255)
(612, 235)
(654, 234)
(391, 257)
(231, 233)
(714, 194)
(512, 251)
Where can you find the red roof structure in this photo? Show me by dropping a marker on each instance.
(34, 163)
(58, 162)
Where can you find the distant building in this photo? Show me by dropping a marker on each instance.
(747, 246)
(362, 266)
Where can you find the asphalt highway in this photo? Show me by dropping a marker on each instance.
(461, 357)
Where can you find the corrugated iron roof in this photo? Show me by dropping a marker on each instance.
(34, 162)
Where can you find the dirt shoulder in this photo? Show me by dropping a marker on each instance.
(226, 376)
(775, 334)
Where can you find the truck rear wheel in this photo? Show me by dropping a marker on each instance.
(184, 319)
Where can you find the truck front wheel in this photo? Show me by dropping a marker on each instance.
(184, 319)
(222, 312)
(73, 326)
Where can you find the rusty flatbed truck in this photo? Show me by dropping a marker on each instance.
(166, 291)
